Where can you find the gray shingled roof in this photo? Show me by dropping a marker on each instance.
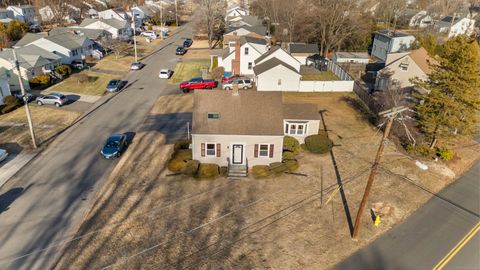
(265, 55)
(261, 30)
(303, 48)
(269, 64)
(29, 38)
(88, 32)
(67, 40)
(30, 56)
(248, 113)
(248, 39)
(301, 112)
(117, 24)
(390, 34)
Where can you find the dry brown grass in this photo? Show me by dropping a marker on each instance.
(147, 219)
(198, 50)
(47, 122)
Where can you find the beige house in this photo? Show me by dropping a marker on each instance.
(400, 68)
(239, 129)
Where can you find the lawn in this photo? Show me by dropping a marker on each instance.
(94, 87)
(148, 218)
(320, 76)
(184, 71)
(47, 121)
(111, 63)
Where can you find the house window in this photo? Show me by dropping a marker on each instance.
(296, 129)
(211, 150)
(231, 44)
(74, 52)
(404, 66)
(250, 64)
(279, 82)
(264, 150)
(246, 51)
(213, 116)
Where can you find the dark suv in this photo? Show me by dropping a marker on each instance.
(180, 50)
(187, 43)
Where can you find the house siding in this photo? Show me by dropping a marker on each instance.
(250, 58)
(269, 80)
(403, 77)
(226, 142)
(4, 89)
(382, 45)
(284, 57)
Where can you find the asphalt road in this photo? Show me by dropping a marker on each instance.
(47, 200)
(430, 233)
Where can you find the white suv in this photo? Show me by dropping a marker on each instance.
(242, 84)
(150, 34)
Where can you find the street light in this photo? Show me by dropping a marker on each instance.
(134, 16)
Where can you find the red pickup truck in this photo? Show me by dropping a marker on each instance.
(197, 83)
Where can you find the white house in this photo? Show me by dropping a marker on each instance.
(231, 34)
(400, 68)
(239, 21)
(6, 16)
(302, 51)
(386, 42)
(351, 57)
(4, 87)
(280, 54)
(118, 28)
(239, 58)
(236, 10)
(115, 13)
(455, 26)
(142, 14)
(240, 129)
(23, 13)
(421, 20)
(276, 75)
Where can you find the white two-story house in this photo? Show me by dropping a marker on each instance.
(386, 42)
(23, 13)
(118, 28)
(454, 26)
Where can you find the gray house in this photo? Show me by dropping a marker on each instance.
(386, 42)
(240, 129)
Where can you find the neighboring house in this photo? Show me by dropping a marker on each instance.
(276, 75)
(282, 55)
(400, 68)
(302, 51)
(238, 21)
(240, 129)
(29, 38)
(23, 13)
(46, 14)
(232, 34)
(454, 26)
(142, 14)
(115, 13)
(421, 20)
(6, 16)
(236, 10)
(351, 57)
(239, 58)
(69, 46)
(97, 35)
(4, 87)
(118, 28)
(386, 42)
(33, 61)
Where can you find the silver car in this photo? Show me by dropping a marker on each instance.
(242, 84)
(56, 99)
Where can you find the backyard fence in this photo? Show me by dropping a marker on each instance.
(339, 71)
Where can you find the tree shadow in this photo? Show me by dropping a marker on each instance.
(7, 198)
(339, 181)
(173, 125)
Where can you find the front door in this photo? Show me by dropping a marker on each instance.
(237, 154)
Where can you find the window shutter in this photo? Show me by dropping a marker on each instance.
(203, 150)
(271, 150)
(255, 153)
(219, 150)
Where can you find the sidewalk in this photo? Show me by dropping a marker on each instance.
(12, 165)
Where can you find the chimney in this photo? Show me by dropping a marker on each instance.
(236, 60)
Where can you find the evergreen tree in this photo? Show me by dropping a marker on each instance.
(453, 102)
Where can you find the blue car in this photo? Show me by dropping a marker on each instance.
(115, 146)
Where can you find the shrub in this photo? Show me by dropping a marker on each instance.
(215, 62)
(190, 168)
(217, 73)
(181, 144)
(291, 144)
(224, 171)
(288, 156)
(319, 144)
(183, 154)
(10, 100)
(63, 70)
(83, 78)
(292, 165)
(149, 27)
(9, 108)
(42, 79)
(1, 107)
(445, 154)
(179, 160)
(419, 150)
(278, 167)
(206, 170)
(261, 171)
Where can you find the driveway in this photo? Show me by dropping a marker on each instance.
(63, 181)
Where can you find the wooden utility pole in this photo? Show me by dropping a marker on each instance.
(390, 114)
(25, 99)
(176, 14)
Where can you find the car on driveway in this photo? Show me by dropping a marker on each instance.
(180, 50)
(3, 154)
(242, 84)
(197, 83)
(165, 74)
(137, 65)
(187, 43)
(114, 146)
(115, 85)
(149, 34)
(56, 99)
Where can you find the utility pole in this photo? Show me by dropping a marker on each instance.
(134, 16)
(391, 115)
(25, 99)
(176, 13)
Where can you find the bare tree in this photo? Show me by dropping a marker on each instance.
(213, 13)
(117, 46)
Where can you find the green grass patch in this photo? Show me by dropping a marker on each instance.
(320, 76)
(186, 70)
(94, 87)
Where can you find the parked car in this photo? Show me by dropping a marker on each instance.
(3, 154)
(229, 79)
(78, 64)
(114, 146)
(137, 66)
(150, 34)
(187, 43)
(242, 84)
(115, 85)
(197, 83)
(30, 97)
(56, 99)
(165, 74)
(180, 50)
